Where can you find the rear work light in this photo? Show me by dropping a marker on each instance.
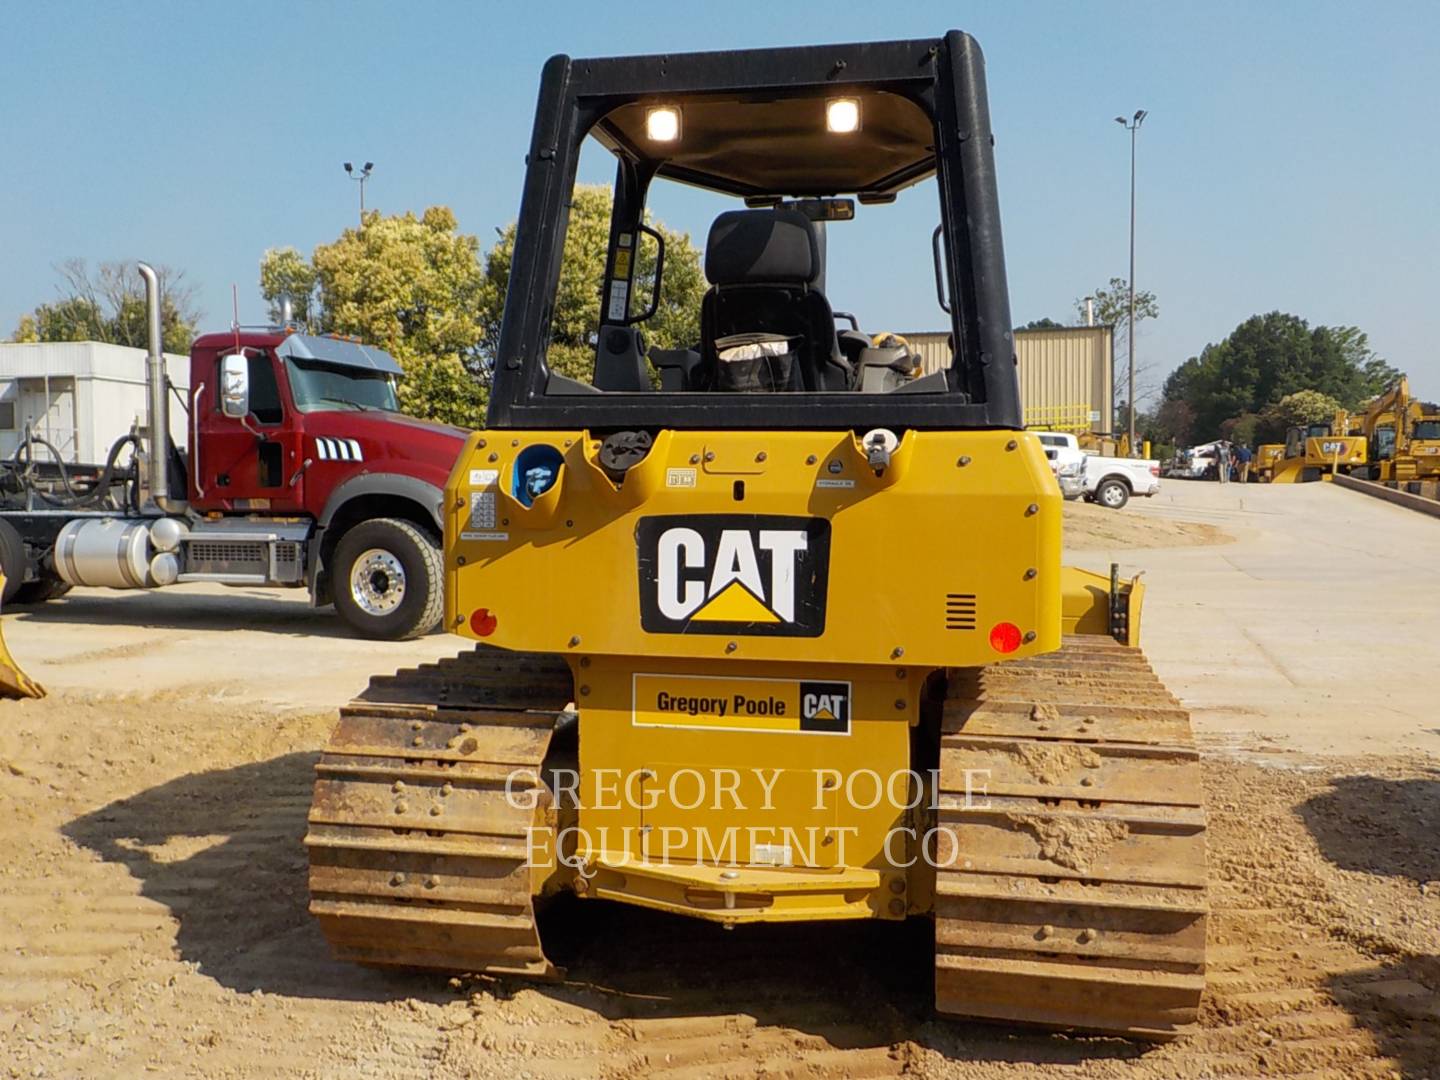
(662, 123)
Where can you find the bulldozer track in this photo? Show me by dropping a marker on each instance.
(1070, 886)
(418, 834)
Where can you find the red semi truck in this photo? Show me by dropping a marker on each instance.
(300, 471)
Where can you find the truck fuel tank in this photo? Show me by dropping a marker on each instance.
(115, 552)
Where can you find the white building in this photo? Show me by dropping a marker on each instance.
(80, 396)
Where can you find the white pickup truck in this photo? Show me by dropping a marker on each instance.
(1109, 481)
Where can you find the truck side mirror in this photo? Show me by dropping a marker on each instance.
(235, 386)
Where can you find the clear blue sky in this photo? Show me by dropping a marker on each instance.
(1290, 160)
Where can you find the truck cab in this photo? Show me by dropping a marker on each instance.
(1067, 461)
(299, 470)
(296, 440)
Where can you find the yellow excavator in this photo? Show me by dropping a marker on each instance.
(770, 628)
(1403, 435)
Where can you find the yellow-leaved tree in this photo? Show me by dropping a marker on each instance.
(408, 284)
(418, 288)
(576, 322)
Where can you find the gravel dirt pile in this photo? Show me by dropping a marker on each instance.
(1088, 525)
(152, 919)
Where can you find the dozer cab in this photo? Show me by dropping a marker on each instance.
(775, 627)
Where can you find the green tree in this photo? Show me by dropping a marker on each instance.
(1172, 422)
(1301, 407)
(108, 305)
(416, 287)
(285, 273)
(411, 285)
(1269, 357)
(576, 320)
(1112, 308)
(1042, 324)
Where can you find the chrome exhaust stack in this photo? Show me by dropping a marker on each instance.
(157, 390)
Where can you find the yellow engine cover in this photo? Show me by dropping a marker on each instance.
(1335, 450)
(759, 546)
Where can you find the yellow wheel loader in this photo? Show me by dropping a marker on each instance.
(774, 627)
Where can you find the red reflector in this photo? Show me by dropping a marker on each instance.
(1005, 637)
(483, 622)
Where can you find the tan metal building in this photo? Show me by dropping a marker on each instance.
(1066, 374)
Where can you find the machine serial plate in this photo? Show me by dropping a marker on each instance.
(721, 703)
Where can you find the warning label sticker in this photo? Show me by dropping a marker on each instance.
(482, 509)
(619, 294)
(720, 703)
(482, 503)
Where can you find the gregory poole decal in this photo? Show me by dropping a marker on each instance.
(733, 573)
(721, 703)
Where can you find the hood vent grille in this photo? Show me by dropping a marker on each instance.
(959, 611)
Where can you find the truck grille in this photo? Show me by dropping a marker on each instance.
(227, 557)
(959, 611)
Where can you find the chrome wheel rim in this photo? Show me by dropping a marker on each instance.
(1113, 496)
(377, 582)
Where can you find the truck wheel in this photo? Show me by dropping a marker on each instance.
(388, 580)
(1112, 494)
(37, 592)
(12, 561)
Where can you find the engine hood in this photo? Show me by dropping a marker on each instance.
(383, 441)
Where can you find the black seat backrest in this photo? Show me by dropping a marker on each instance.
(762, 266)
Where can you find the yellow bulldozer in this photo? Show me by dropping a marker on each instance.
(774, 628)
(1320, 450)
(1267, 457)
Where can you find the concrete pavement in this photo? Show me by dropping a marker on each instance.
(1316, 629)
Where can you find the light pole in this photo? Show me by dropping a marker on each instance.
(365, 175)
(1132, 125)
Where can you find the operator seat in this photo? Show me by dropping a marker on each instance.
(762, 266)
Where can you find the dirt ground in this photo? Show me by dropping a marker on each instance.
(152, 902)
(1089, 525)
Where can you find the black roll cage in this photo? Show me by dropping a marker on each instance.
(944, 76)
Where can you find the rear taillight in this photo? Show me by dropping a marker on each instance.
(1155, 470)
(1005, 637)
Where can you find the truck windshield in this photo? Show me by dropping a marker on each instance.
(317, 387)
